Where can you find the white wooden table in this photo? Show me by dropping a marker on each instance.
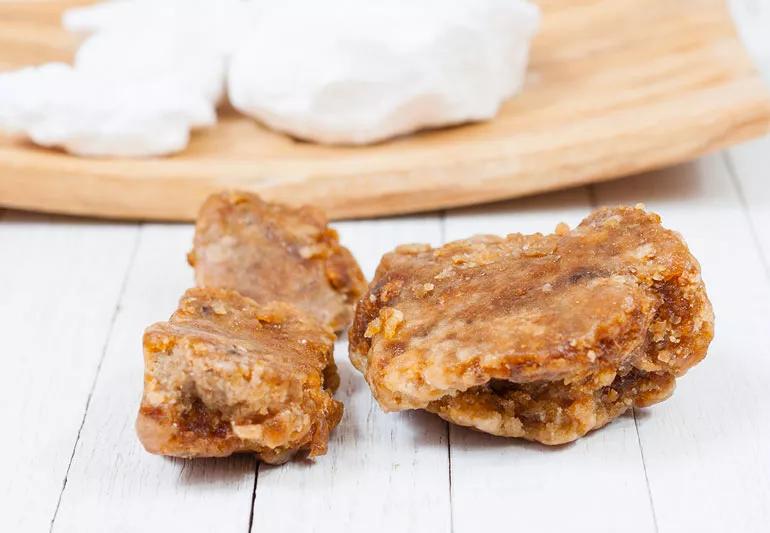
(76, 295)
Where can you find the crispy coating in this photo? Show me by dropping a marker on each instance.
(540, 337)
(227, 375)
(271, 252)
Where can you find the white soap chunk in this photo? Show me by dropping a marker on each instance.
(190, 40)
(92, 115)
(354, 72)
(337, 71)
(101, 16)
(156, 53)
(150, 72)
(221, 24)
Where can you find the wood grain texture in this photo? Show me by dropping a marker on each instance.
(59, 284)
(615, 87)
(705, 449)
(383, 472)
(113, 484)
(595, 483)
(748, 162)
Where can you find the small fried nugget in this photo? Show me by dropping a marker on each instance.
(227, 375)
(271, 252)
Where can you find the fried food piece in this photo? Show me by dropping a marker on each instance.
(540, 337)
(227, 375)
(271, 252)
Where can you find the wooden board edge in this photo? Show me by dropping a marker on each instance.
(752, 121)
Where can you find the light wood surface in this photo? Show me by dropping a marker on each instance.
(615, 87)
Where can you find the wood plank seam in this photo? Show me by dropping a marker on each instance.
(594, 202)
(253, 495)
(449, 475)
(733, 173)
(116, 311)
(644, 468)
(705, 452)
(442, 232)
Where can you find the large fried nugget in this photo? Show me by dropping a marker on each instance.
(532, 336)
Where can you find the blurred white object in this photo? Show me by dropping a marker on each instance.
(332, 71)
(93, 115)
(103, 16)
(150, 72)
(144, 39)
(175, 53)
(220, 24)
(355, 72)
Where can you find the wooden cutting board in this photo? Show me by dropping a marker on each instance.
(615, 87)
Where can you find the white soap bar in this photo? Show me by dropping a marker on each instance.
(355, 72)
(87, 114)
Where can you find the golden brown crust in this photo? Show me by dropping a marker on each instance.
(270, 252)
(227, 375)
(541, 337)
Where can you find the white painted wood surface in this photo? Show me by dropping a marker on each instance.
(61, 280)
(77, 294)
(113, 485)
